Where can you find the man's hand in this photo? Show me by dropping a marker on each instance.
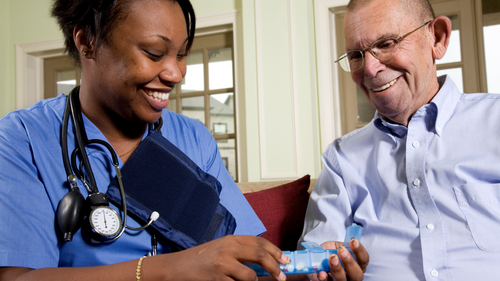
(352, 270)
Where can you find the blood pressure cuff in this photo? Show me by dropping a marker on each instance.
(160, 177)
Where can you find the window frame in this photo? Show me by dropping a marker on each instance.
(204, 43)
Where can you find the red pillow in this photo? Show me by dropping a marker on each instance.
(282, 210)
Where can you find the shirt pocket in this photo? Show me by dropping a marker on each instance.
(480, 204)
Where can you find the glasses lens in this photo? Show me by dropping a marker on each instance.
(355, 59)
(385, 49)
(344, 63)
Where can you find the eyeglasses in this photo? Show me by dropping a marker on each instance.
(383, 49)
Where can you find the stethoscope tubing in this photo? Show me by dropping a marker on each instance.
(73, 108)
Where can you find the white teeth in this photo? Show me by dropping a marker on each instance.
(159, 96)
(385, 86)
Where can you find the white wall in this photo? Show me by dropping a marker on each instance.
(281, 93)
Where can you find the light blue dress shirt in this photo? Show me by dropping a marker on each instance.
(427, 195)
(32, 182)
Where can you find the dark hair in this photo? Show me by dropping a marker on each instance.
(421, 9)
(99, 17)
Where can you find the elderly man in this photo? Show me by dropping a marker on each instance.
(423, 178)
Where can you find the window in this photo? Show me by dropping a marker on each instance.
(451, 63)
(491, 32)
(220, 129)
(207, 92)
(224, 160)
(355, 109)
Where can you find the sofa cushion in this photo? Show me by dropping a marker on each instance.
(282, 210)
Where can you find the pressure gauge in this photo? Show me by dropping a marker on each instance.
(105, 221)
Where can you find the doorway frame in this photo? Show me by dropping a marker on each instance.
(29, 69)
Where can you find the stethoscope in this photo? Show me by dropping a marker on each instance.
(106, 224)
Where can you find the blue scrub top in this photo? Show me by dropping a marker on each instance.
(33, 180)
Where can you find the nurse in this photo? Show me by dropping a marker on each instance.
(132, 54)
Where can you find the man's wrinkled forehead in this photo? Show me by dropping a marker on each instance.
(370, 22)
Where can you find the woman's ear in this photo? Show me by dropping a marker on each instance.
(441, 27)
(83, 42)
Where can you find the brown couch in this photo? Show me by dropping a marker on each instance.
(281, 206)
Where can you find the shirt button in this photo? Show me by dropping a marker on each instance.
(415, 144)
(434, 273)
(416, 182)
(430, 226)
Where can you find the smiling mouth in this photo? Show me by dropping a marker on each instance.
(383, 87)
(159, 96)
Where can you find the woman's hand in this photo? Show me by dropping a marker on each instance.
(352, 270)
(221, 259)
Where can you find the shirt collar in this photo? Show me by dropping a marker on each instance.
(396, 130)
(442, 105)
(445, 101)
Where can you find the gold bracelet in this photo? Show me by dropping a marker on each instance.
(138, 270)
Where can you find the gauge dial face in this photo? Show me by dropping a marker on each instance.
(105, 221)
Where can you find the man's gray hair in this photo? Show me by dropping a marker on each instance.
(420, 9)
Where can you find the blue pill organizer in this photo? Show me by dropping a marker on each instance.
(313, 259)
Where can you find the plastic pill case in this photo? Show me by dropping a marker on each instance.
(312, 260)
